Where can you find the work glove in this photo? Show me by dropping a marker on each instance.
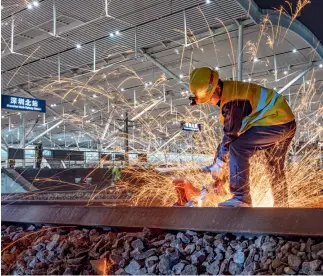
(215, 168)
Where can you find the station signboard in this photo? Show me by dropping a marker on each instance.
(22, 103)
(191, 127)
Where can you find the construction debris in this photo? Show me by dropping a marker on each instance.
(69, 250)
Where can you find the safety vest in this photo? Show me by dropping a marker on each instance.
(268, 107)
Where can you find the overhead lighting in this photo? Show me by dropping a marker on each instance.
(54, 118)
(294, 50)
(217, 68)
(249, 79)
(117, 33)
(146, 84)
(94, 95)
(208, 1)
(321, 65)
(1, 7)
(111, 35)
(36, 3)
(2, 116)
(285, 72)
(176, 51)
(59, 139)
(122, 89)
(150, 83)
(78, 46)
(181, 76)
(255, 59)
(244, 80)
(93, 110)
(275, 88)
(74, 100)
(308, 82)
(29, 6)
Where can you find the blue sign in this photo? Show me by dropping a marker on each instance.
(23, 104)
(191, 127)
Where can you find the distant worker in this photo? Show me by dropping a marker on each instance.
(116, 175)
(254, 118)
(39, 154)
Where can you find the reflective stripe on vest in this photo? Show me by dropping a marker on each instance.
(260, 107)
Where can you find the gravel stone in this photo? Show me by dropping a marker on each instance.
(177, 269)
(213, 268)
(239, 257)
(189, 270)
(294, 261)
(137, 244)
(133, 267)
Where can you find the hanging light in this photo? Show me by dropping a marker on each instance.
(117, 33)
(255, 59)
(111, 35)
(294, 51)
(36, 3)
(78, 46)
(321, 65)
(285, 72)
(122, 89)
(181, 76)
(217, 68)
(29, 6)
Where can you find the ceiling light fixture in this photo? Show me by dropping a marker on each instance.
(208, 1)
(29, 6)
(294, 51)
(122, 89)
(255, 59)
(78, 46)
(117, 33)
(321, 65)
(36, 3)
(249, 79)
(94, 95)
(285, 72)
(181, 76)
(217, 68)
(176, 51)
(111, 35)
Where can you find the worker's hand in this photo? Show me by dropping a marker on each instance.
(216, 168)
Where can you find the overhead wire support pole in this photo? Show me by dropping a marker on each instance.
(59, 68)
(240, 51)
(275, 67)
(185, 28)
(12, 33)
(54, 19)
(126, 144)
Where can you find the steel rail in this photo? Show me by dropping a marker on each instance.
(274, 221)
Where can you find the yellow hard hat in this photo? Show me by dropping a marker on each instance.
(203, 82)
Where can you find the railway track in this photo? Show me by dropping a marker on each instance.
(275, 221)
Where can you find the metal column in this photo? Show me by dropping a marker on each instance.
(23, 137)
(54, 18)
(240, 52)
(12, 33)
(126, 141)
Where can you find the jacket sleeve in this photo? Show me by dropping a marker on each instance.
(233, 113)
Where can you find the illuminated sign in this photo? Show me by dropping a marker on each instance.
(23, 104)
(191, 127)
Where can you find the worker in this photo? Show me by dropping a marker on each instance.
(39, 154)
(254, 118)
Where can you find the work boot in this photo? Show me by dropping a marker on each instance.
(234, 202)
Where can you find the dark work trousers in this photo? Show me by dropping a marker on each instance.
(275, 140)
(38, 162)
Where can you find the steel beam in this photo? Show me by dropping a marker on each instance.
(274, 221)
(295, 79)
(12, 34)
(43, 133)
(54, 18)
(3, 140)
(164, 69)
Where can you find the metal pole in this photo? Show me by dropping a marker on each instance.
(106, 8)
(275, 66)
(59, 68)
(9, 123)
(12, 33)
(23, 137)
(164, 92)
(240, 52)
(94, 57)
(54, 18)
(185, 28)
(136, 52)
(126, 144)
(294, 80)
(134, 98)
(166, 70)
